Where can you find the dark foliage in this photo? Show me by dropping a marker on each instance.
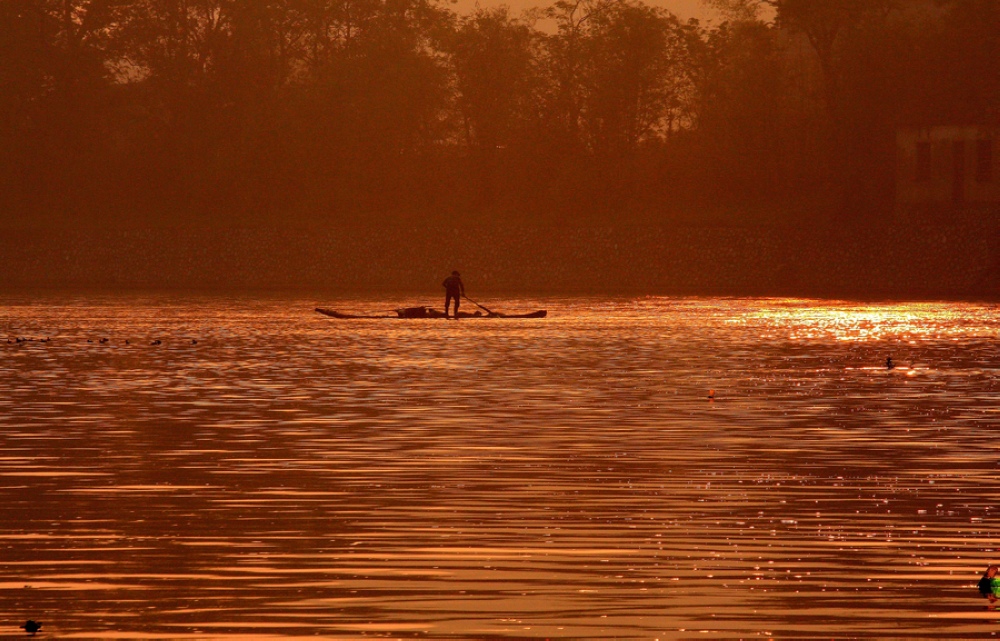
(153, 112)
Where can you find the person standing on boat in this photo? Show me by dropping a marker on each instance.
(453, 288)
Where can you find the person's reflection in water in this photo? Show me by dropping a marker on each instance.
(989, 584)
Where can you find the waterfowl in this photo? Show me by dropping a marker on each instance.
(31, 627)
(989, 584)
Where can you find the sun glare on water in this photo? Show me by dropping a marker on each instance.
(802, 320)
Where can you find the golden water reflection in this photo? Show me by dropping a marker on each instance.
(294, 475)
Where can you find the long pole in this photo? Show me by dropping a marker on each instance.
(480, 306)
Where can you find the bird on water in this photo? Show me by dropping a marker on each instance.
(31, 627)
(989, 583)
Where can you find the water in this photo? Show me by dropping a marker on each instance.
(293, 475)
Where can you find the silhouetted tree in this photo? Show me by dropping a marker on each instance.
(826, 24)
(637, 76)
(745, 110)
(56, 64)
(494, 57)
(968, 53)
(345, 109)
(376, 98)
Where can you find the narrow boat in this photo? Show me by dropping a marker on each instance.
(428, 312)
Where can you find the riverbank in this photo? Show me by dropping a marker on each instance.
(899, 262)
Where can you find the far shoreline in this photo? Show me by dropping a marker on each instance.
(878, 263)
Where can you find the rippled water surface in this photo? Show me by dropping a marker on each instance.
(293, 475)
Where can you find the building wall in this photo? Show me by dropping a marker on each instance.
(949, 171)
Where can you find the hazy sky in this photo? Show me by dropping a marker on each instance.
(683, 8)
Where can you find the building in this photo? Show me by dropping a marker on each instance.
(947, 172)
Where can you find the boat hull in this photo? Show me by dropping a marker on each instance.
(412, 313)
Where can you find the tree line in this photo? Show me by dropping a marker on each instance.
(582, 111)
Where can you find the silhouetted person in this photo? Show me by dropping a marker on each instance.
(31, 627)
(453, 288)
(889, 364)
(986, 583)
